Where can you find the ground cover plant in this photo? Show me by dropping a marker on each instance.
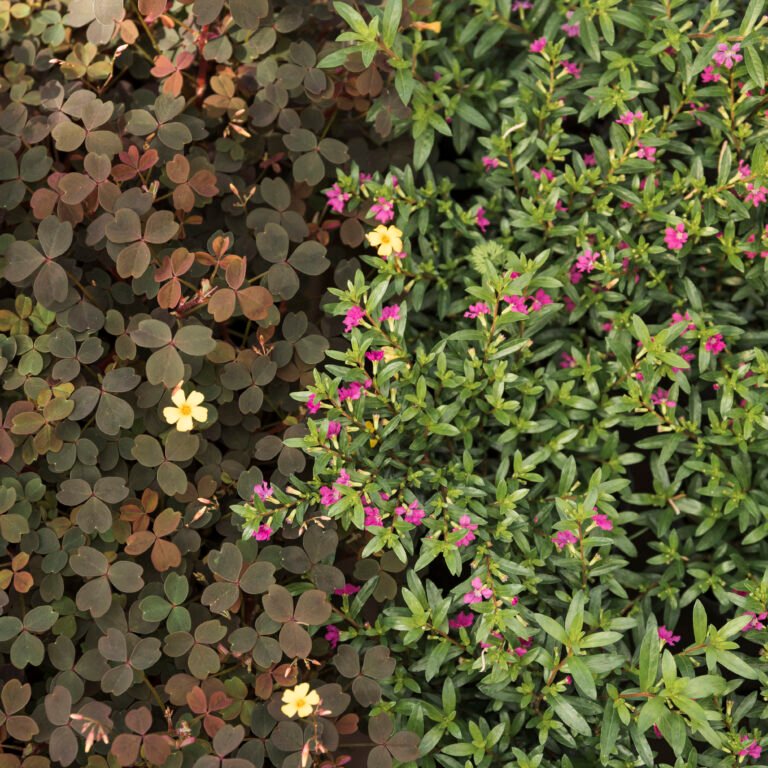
(383, 384)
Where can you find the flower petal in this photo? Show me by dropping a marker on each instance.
(185, 424)
(195, 398)
(171, 414)
(199, 413)
(178, 397)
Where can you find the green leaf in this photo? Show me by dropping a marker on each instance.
(751, 16)
(649, 658)
(393, 11)
(590, 39)
(582, 677)
(608, 732)
(570, 717)
(551, 627)
(754, 66)
(404, 84)
(699, 622)
(352, 17)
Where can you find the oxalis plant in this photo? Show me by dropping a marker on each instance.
(545, 433)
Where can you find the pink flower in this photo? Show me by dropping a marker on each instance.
(563, 538)
(475, 310)
(686, 355)
(383, 210)
(543, 172)
(666, 636)
(365, 177)
(263, 533)
(678, 318)
(755, 195)
(572, 30)
(413, 513)
(586, 262)
(478, 593)
(490, 163)
(675, 237)
(517, 303)
(602, 521)
(744, 170)
(465, 523)
(480, 219)
(589, 160)
(334, 428)
(353, 392)
(539, 299)
(628, 118)
(522, 5)
(567, 361)
(347, 589)
(329, 496)
(574, 70)
(336, 198)
(353, 318)
(661, 397)
(537, 46)
(374, 355)
(392, 312)
(715, 344)
(709, 75)
(313, 406)
(570, 304)
(756, 622)
(343, 478)
(646, 153)
(263, 491)
(463, 619)
(753, 749)
(372, 516)
(332, 635)
(727, 56)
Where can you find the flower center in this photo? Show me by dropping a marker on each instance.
(185, 410)
(385, 240)
(300, 703)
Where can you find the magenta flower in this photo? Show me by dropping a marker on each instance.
(374, 355)
(263, 491)
(563, 538)
(413, 513)
(383, 210)
(336, 198)
(475, 310)
(586, 262)
(332, 635)
(372, 516)
(347, 589)
(727, 56)
(521, 5)
(353, 318)
(628, 118)
(263, 533)
(755, 195)
(537, 46)
(343, 478)
(661, 397)
(540, 299)
(543, 172)
(602, 521)
(715, 344)
(463, 619)
(709, 75)
(574, 70)
(392, 312)
(490, 163)
(572, 30)
(686, 355)
(744, 169)
(678, 318)
(465, 523)
(567, 361)
(675, 237)
(480, 219)
(756, 622)
(478, 593)
(313, 406)
(753, 749)
(329, 496)
(646, 153)
(334, 428)
(666, 636)
(353, 392)
(517, 303)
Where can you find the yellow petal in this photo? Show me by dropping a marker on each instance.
(374, 238)
(184, 424)
(313, 698)
(289, 710)
(171, 414)
(195, 398)
(178, 397)
(199, 413)
(302, 689)
(306, 710)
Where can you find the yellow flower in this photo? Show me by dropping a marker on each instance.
(389, 240)
(432, 26)
(187, 409)
(299, 701)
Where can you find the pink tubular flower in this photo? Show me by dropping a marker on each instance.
(383, 210)
(517, 303)
(478, 593)
(590, 161)
(572, 30)
(353, 392)
(347, 589)
(646, 153)
(676, 237)
(661, 397)
(709, 75)
(543, 173)
(465, 523)
(263, 491)
(263, 533)
(372, 516)
(336, 198)
(563, 538)
(753, 749)
(475, 310)
(678, 318)
(744, 170)
(586, 262)
(490, 163)
(353, 318)
(334, 428)
(602, 521)
(480, 219)
(539, 299)
(574, 70)
(392, 312)
(374, 355)
(329, 496)
(666, 636)
(687, 356)
(567, 361)
(715, 344)
(463, 619)
(727, 56)
(343, 478)
(756, 622)
(332, 635)
(313, 406)
(755, 195)
(413, 513)
(537, 46)
(628, 118)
